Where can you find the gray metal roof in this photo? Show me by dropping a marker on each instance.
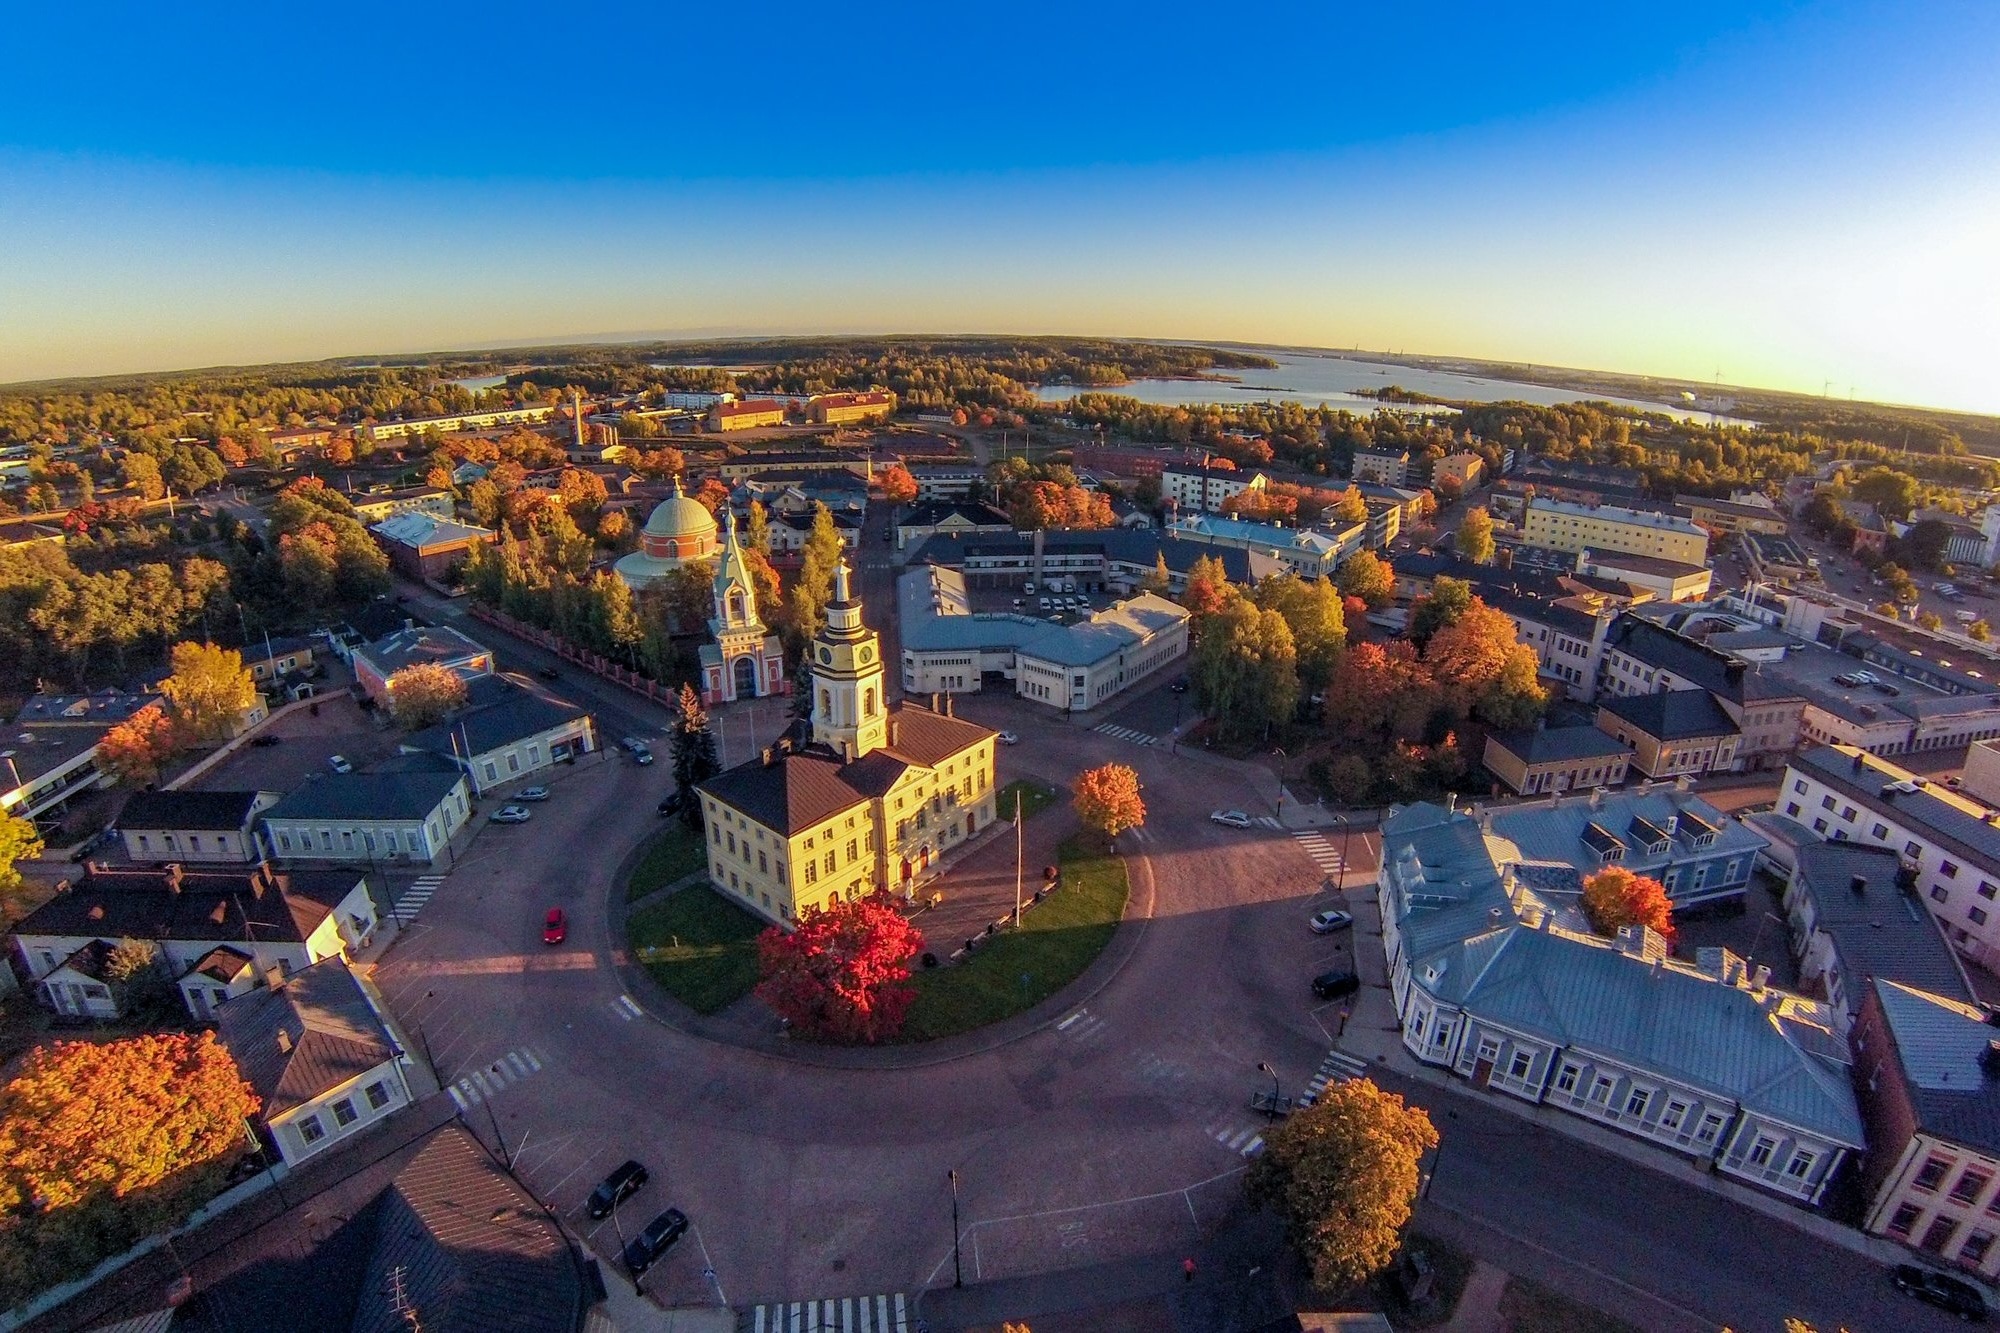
(1673, 715)
(1953, 821)
(410, 794)
(1551, 744)
(1939, 1043)
(1553, 830)
(1880, 931)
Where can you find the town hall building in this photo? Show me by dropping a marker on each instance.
(870, 801)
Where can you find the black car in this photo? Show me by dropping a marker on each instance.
(548, 673)
(262, 741)
(1332, 985)
(660, 1235)
(671, 805)
(1180, 686)
(616, 1187)
(1942, 1290)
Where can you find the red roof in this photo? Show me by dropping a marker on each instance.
(743, 409)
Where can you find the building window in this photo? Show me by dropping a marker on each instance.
(1932, 1173)
(1636, 1102)
(1914, 850)
(1711, 1125)
(1987, 888)
(1938, 1234)
(1670, 1119)
(1801, 1165)
(343, 1112)
(1975, 1247)
(1879, 832)
(1976, 915)
(1792, 809)
(1949, 869)
(1523, 1062)
(1904, 1218)
(1600, 1090)
(812, 873)
(1826, 802)
(311, 1130)
(1940, 894)
(377, 1094)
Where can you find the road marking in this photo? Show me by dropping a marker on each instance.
(1241, 1139)
(1338, 1067)
(478, 1084)
(1081, 1026)
(1323, 853)
(1267, 821)
(626, 1008)
(415, 897)
(886, 1313)
(1125, 734)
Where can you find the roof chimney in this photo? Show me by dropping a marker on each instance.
(770, 753)
(1760, 979)
(1495, 917)
(895, 731)
(1859, 884)
(174, 874)
(1857, 761)
(284, 1041)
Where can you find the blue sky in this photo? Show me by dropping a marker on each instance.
(1788, 194)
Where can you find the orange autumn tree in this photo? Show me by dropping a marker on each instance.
(139, 747)
(1107, 799)
(104, 1143)
(1615, 897)
(842, 975)
(899, 486)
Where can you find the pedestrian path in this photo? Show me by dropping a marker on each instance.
(1338, 1067)
(414, 898)
(1323, 853)
(1126, 734)
(1241, 1134)
(1081, 1027)
(846, 1314)
(479, 1084)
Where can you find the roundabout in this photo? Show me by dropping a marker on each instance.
(1110, 1120)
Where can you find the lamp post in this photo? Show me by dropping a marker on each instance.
(1271, 1111)
(957, 1266)
(1017, 860)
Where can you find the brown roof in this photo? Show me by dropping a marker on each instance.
(306, 1037)
(807, 786)
(89, 961)
(222, 904)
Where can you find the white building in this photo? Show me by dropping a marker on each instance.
(318, 1049)
(1201, 488)
(1310, 553)
(408, 813)
(163, 826)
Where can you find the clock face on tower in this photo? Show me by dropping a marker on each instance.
(826, 656)
(867, 653)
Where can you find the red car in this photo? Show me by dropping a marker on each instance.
(556, 929)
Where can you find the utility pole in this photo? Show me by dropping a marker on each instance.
(1017, 860)
(957, 1266)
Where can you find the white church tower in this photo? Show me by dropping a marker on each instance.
(849, 711)
(746, 661)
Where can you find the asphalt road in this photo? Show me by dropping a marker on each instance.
(1116, 1129)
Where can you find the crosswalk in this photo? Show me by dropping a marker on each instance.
(1081, 1027)
(1126, 734)
(1323, 853)
(1241, 1136)
(888, 1313)
(1338, 1067)
(414, 898)
(1265, 821)
(479, 1084)
(626, 1008)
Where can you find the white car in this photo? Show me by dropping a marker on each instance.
(1230, 819)
(532, 794)
(1332, 919)
(1009, 738)
(338, 763)
(511, 814)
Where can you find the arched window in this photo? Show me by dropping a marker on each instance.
(825, 704)
(736, 604)
(869, 710)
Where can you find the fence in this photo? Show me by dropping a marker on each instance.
(601, 667)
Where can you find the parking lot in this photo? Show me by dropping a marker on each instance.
(333, 724)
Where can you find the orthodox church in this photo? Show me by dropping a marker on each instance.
(746, 661)
(869, 800)
(679, 532)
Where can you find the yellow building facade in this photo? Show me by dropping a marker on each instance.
(1558, 525)
(870, 801)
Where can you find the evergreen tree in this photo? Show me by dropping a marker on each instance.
(695, 759)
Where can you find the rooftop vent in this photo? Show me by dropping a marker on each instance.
(1989, 1059)
(1859, 884)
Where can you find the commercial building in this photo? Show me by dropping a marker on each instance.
(216, 931)
(947, 481)
(841, 409)
(1559, 525)
(947, 518)
(1105, 560)
(1202, 487)
(1555, 759)
(1929, 1082)
(1776, 558)
(1672, 733)
(1668, 580)
(1310, 553)
(506, 730)
(1388, 467)
(1497, 977)
(1744, 513)
(50, 756)
(1948, 842)
(320, 1055)
(162, 826)
(406, 812)
(747, 415)
(1849, 921)
(1982, 771)
(869, 802)
(427, 548)
(437, 645)
(374, 506)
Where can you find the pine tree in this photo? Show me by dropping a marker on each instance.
(695, 759)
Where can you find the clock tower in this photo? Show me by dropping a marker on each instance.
(849, 710)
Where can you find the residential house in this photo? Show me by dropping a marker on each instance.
(1201, 488)
(217, 931)
(1928, 1074)
(507, 730)
(1673, 733)
(1851, 923)
(789, 533)
(1555, 759)
(1559, 525)
(440, 645)
(427, 548)
(1496, 976)
(407, 810)
(1389, 467)
(1950, 842)
(301, 442)
(319, 1052)
(162, 826)
(271, 659)
(948, 518)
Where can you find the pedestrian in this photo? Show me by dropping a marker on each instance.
(1187, 1270)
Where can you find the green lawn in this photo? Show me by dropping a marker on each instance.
(1035, 796)
(1016, 970)
(1526, 1305)
(699, 946)
(676, 852)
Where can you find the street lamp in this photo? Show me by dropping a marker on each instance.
(1271, 1111)
(957, 1266)
(1346, 834)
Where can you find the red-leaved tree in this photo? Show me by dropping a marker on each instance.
(1615, 897)
(899, 484)
(842, 974)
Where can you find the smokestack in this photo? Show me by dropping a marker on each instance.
(174, 873)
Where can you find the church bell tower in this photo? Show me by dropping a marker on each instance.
(849, 710)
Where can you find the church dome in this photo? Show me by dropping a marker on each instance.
(679, 531)
(681, 516)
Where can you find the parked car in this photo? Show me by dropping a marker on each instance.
(548, 673)
(532, 794)
(1332, 985)
(262, 742)
(1332, 919)
(555, 927)
(660, 1235)
(614, 1189)
(1942, 1290)
(1009, 738)
(642, 754)
(338, 763)
(672, 805)
(1884, 687)
(512, 814)
(1230, 818)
